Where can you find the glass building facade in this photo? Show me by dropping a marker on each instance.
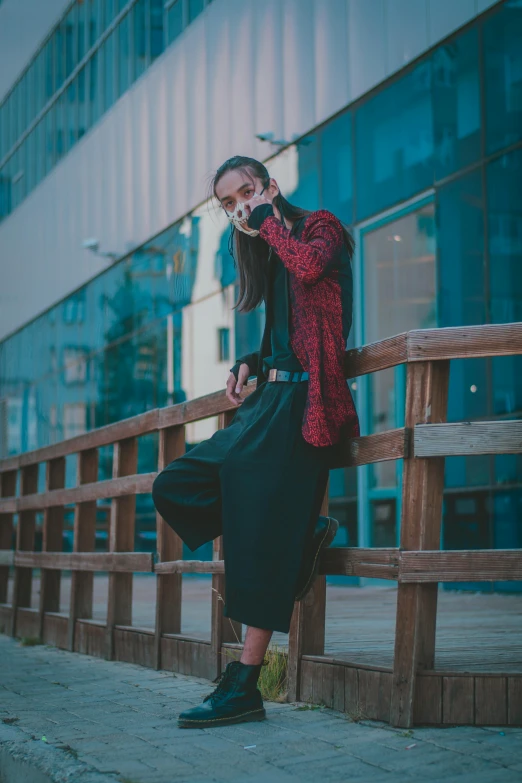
(92, 56)
(427, 171)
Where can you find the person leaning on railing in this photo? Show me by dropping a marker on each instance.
(260, 481)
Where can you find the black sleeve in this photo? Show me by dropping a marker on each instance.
(251, 359)
(259, 214)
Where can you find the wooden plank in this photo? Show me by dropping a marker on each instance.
(307, 680)
(467, 438)
(376, 356)
(464, 342)
(458, 707)
(133, 646)
(94, 439)
(307, 626)
(52, 540)
(374, 694)
(90, 638)
(169, 548)
(214, 404)
(379, 447)
(27, 622)
(190, 567)
(121, 539)
(490, 701)
(351, 691)
(423, 484)
(115, 562)
(7, 489)
(23, 577)
(461, 566)
(6, 560)
(83, 541)
(338, 687)
(223, 629)
(355, 561)
(98, 490)
(341, 560)
(54, 630)
(514, 696)
(323, 684)
(428, 701)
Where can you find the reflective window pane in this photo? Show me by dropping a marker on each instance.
(124, 62)
(175, 20)
(336, 167)
(504, 183)
(140, 39)
(394, 142)
(195, 7)
(156, 28)
(503, 75)
(109, 71)
(456, 104)
(460, 221)
(306, 193)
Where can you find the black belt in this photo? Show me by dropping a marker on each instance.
(286, 375)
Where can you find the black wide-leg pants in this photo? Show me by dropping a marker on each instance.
(260, 485)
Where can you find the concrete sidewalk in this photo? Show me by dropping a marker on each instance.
(69, 717)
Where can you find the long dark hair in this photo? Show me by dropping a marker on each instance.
(250, 254)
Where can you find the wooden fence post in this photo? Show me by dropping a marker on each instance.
(121, 539)
(422, 490)
(52, 541)
(7, 490)
(23, 577)
(223, 629)
(169, 547)
(84, 540)
(307, 627)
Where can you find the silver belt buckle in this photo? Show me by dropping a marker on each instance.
(272, 375)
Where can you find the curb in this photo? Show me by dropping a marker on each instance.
(26, 759)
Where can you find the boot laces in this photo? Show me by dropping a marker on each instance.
(222, 681)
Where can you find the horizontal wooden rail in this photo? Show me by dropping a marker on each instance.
(481, 437)
(414, 346)
(379, 447)
(126, 562)
(480, 565)
(111, 488)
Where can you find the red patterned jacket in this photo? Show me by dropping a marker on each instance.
(317, 330)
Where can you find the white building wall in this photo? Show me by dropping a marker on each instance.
(238, 70)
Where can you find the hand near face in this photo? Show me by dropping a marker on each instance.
(255, 201)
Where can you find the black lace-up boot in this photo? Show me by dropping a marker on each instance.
(235, 700)
(324, 534)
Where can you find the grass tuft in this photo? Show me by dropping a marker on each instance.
(30, 641)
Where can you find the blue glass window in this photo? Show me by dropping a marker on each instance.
(124, 55)
(504, 185)
(456, 104)
(175, 20)
(336, 167)
(503, 75)
(156, 28)
(140, 46)
(394, 143)
(460, 224)
(306, 194)
(195, 7)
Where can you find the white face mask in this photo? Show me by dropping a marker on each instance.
(239, 218)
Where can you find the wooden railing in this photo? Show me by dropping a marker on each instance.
(417, 565)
